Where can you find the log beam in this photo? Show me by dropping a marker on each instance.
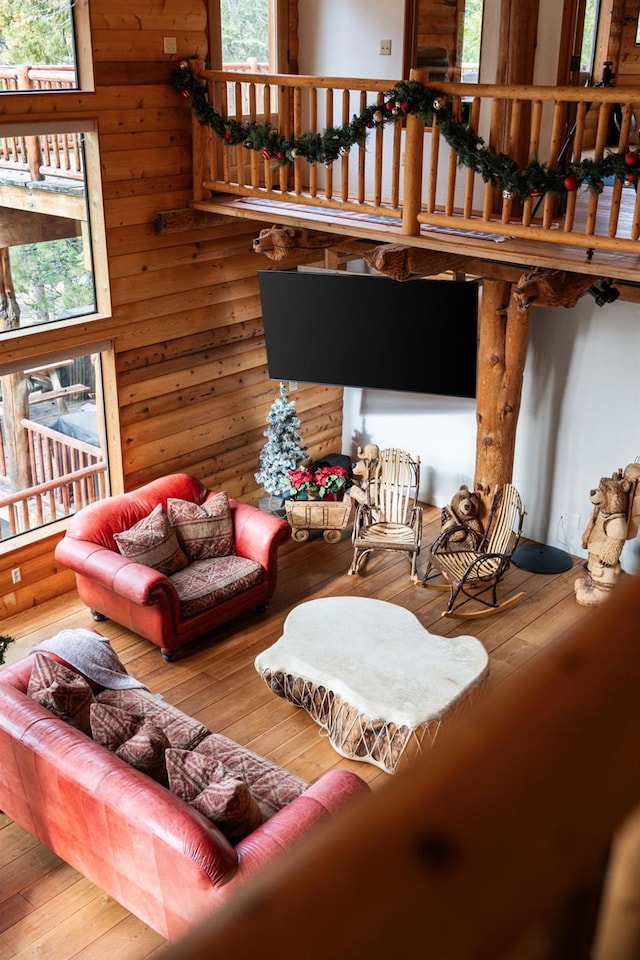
(179, 221)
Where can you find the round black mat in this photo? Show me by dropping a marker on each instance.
(538, 558)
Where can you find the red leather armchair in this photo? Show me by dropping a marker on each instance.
(140, 597)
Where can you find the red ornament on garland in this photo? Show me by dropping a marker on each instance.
(227, 134)
(631, 177)
(266, 154)
(186, 94)
(570, 183)
(631, 158)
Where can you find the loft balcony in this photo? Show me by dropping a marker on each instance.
(406, 183)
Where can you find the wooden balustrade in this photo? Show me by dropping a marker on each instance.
(50, 154)
(67, 475)
(407, 173)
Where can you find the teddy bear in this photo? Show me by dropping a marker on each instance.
(460, 527)
(604, 539)
(361, 472)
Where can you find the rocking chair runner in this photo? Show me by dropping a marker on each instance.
(389, 518)
(473, 573)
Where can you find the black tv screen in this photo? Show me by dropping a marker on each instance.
(364, 330)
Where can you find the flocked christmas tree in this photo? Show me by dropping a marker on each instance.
(283, 450)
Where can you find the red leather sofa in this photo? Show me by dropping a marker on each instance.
(150, 850)
(143, 599)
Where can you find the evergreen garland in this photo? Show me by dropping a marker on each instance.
(408, 97)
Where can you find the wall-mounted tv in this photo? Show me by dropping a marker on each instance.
(364, 330)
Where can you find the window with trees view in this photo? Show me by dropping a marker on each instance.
(52, 449)
(245, 28)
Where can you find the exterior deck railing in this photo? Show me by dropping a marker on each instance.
(67, 474)
(50, 154)
(408, 173)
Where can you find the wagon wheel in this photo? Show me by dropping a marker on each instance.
(332, 536)
(300, 535)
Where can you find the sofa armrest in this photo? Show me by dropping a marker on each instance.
(132, 581)
(258, 534)
(328, 795)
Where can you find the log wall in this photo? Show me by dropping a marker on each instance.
(437, 25)
(187, 385)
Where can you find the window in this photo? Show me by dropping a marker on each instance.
(45, 236)
(246, 35)
(39, 34)
(471, 41)
(249, 35)
(589, 35)
(53, 457)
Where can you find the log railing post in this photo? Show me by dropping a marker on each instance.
(413, 155)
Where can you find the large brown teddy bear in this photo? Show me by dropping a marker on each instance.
(461, 529)
(604, 539)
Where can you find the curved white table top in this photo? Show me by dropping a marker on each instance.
(377, 656)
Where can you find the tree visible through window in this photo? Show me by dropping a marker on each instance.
(245, 33)
(36, 32)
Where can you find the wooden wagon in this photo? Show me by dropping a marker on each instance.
(330, 516)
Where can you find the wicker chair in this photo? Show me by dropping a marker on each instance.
(471, 574)
(389, 518)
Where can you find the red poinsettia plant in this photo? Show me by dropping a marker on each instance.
(308, 484)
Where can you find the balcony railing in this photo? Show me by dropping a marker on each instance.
(46, 155)
(67, 475)
(407, 174)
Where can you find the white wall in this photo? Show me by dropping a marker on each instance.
(579, 420)
(580, 415)
(341, 38)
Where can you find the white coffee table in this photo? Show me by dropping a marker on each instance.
(372, 676)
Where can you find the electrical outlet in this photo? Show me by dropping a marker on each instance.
(385, 48)
(16, 575)
(293, 386)
(170, 45)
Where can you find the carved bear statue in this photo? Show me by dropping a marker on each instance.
(604, 539)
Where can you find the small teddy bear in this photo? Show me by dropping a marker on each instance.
(461, 529)
(604, 539)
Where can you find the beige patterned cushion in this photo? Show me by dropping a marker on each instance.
(180, 729)
(61, 690)
(153, 542)
(271, 785)
(205, 583)
(203, 531)
(131, 737)
(207, 785)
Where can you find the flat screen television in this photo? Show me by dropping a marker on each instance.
(365, 330)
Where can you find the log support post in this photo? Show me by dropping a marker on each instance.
(502, 351)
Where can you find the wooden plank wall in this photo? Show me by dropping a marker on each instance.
(189, 373)
(628, 73)
(438, 24)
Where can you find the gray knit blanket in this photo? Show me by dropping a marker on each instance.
(92, 655)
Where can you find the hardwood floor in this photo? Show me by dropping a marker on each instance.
(48, 910)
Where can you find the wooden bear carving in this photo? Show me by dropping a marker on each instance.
(604, 538)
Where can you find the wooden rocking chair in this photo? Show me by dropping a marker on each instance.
(471, 574)
(389, 518)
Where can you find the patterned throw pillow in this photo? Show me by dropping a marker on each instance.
(179, 728)
(61, 690)
(145, 751)
(153, 542)
(111, 726)
(135, 740)
(272, 786)
(208, 786)
(203, 531)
